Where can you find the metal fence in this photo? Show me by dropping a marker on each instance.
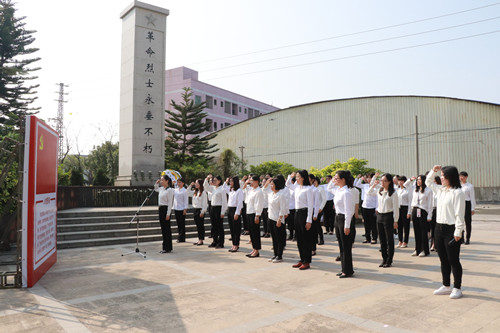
(103, 196)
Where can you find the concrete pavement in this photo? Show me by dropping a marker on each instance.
(200, 289)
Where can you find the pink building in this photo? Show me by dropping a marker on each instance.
(223, 109)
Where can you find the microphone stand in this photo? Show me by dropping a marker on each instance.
(136, 216)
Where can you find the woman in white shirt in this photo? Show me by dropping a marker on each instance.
(449, 227)
(277, 209)
(388, 216)
(255, 203)
(219, 206)
(421, 214)
(319, 204)
(405, 194)
(165, 202)
(200, 205)
(180, 210)
(344, 207)
(235, 204)
(304, 206)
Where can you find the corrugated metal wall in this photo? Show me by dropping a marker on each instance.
(380, 129)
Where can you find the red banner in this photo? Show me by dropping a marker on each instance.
(39, 251)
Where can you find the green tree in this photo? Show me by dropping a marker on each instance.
(273, 167)
(356, 166)
(76, 177)
(228, 164)
(100, 178)
(63, 177)
(15, 96)
(184, 126)
(105, 158)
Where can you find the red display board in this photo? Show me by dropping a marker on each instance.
(39, 241)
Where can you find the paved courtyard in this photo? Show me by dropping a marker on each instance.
(200, 289)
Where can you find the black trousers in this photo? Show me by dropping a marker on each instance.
(328, 216)
(217, 225)
(290, 222)
(200, 223)
(234, 226)
(385, 224)
(166, 231)
(370, 219)
(449, 255)
(468, 220)
(317, 232)
(243, 217)
(254, 231)
(345, 244)
(180, 218)
(421, 229)
(304, 237)
(432, 224)
(265, 220)
(403, 225)
(278, 235)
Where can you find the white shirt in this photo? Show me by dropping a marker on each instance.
(405, 195)
(219, 197)
(369, 200)
(255, 200)
(165, 197)
(304, 198)
(344, 204)
(468, 190)
(291, 198)
(329, 195)
(277, 205)
(386, 203)
(180, 199)
(199, 200)
(450, 204)
(236, 200)
(423, 201)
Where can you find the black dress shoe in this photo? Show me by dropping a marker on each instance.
(180, 241)
(339, 274)
(338, 258)
(198, 244)
(366, 241)
(219, 247)
(313, 253)
(321, 242)
(382, 264)
(387, 265)
(212, 245)
(343, 276)
(254, 256)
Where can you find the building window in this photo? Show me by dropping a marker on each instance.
(245, 110)
(215, 102)
(215, 126)
(221, 104)
(197, 100)
(240, 109)
(250, 113)
(257, 113)
(208, 124)
(221, 125)
(234, 109)
(227, 108)
(210, 102)
(227, 124)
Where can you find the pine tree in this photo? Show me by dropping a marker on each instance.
(15, 61)
(184, 126)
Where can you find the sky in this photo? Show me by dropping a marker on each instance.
(280, 52)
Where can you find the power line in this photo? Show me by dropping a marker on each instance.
(346, 35)
(353, 45)
(357, 55)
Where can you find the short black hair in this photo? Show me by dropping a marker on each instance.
(450, 172)
(464, 173)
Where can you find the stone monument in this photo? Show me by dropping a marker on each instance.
(142, 94)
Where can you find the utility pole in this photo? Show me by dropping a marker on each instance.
(242, 163)
(59, 119)
(416, 142)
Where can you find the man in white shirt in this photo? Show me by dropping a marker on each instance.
(470, 204)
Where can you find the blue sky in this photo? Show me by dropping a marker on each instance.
(322, 50)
